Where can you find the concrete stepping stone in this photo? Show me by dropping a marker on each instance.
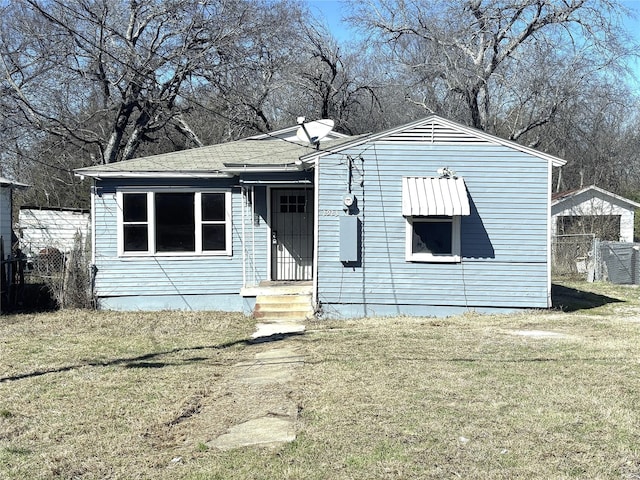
(264, 432)
(272, 366)
(270, 330)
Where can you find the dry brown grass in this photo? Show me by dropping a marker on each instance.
(111, 395)
(103, 394)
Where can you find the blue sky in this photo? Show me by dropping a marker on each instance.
(333, 11)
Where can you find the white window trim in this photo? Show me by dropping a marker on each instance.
(151, 252)
(454, 257)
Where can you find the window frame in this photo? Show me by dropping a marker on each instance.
(198, 222)
(455, 255)
(140, 223)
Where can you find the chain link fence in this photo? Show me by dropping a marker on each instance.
(574, 257)
(620, 262)
(585, 257)
(66, 275)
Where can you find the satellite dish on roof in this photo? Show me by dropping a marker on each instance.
(313, 132)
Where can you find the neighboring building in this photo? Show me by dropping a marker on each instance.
(6, 238)
(430, 218)
(6, 205)
(592, 210)
(43, 228)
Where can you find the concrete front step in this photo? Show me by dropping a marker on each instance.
(283, 307)
(284, 299)
(281, 301)
(269, 330)
(278, 311)
(280, 316)
(285, 310)
(270, 289)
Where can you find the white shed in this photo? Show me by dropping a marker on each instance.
(6, 188)
(44, 227)
(593, 210)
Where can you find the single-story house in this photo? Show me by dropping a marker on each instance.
(6, 206)
(593, 210)
(430, 218)
(43, 228)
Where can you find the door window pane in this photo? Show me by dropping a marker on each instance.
(293, 204)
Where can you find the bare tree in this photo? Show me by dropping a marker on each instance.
(114, 74)
(462, 55)
(248, 86)
(334, 81)
(96, 81)
(598, 135)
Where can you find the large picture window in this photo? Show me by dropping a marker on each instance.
(433, 239)
(183, 222)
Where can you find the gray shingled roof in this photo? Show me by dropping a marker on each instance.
(226, 159)
(222, 158)
(5, 182)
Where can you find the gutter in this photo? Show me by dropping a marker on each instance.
(229, 172)
(178, 174)
(238, 169)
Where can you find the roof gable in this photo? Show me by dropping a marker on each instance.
(436, 130)
(6, 183)
(592, 190)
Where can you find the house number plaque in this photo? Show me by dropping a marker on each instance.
(330, 213)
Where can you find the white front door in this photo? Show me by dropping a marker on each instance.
(291, 233)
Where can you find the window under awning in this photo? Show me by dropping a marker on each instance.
(428, 196)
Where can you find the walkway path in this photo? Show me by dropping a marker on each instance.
(267, 375)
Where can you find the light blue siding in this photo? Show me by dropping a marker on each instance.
(503, 241)
(221, 303)
(198, 282)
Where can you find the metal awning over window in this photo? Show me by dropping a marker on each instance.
(428, 196)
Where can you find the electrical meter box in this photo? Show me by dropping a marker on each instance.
(349, 239)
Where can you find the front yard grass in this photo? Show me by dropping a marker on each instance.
(539, 394)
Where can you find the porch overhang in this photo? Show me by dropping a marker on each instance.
(249, 182)
(246, 168)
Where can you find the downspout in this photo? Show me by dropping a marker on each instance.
(93, 268)
(316, 232)
(243, 193)
(93, 224)
(253, 234)
(549, 220)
